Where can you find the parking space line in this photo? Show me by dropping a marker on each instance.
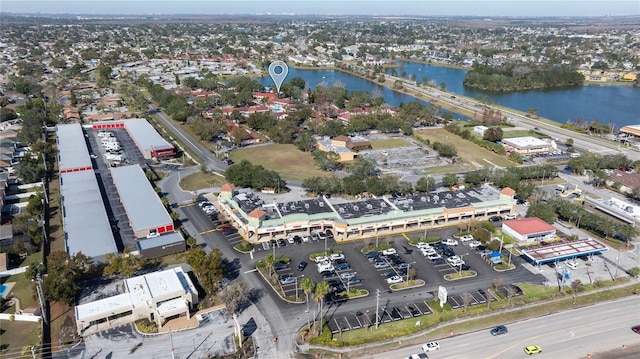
(209, 231)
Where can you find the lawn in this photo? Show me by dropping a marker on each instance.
(467, 150)
(17, 334)
(201, 180)
(287, 160)
(389, 143)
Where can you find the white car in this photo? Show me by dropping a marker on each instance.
(466, 238)
(418, 356)
(508, 217)
(388, 251)
(336, 256)
(153, 235)
(431, 346)
(320, 259)
(433, 256)
(428, 251)
(394, 279)
(348, 275)
(450, 242)
(474, 244)
(305, 238)
(423, 245)
(572, 265)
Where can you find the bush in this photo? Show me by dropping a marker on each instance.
(634, 272)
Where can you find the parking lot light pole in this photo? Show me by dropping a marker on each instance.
(408, 268)
(461, 262)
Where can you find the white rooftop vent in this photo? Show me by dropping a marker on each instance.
(321, 204)
(369, 206)
(341, 209)
(383, 204)
(423, 199)
(306, 205)
(355, 208)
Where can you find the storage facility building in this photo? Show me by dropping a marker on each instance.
(147, 215)
(150, 143)
(84, 217)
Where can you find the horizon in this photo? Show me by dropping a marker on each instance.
(415, 8)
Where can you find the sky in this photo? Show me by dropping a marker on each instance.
(329, 7)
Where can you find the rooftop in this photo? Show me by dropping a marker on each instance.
(86, 225)
(564, 250)
(529, 225)
(144, 207)
(525, 142)
(72, 147)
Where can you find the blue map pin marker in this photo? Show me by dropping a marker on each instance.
(278, 70)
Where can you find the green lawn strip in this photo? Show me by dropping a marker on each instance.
(201, 180)
(389, 143)
(285, 159)
(468, 151)
(520, 133)
(542, 301)
(17, 334)
(177, 139)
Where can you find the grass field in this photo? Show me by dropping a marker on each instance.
(17, 334)
(287, 160)
(201, 180)
(469, 152)
(521, 133)
(389, 143)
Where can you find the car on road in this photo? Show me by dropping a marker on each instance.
(532, 349)
(636, 329)
(418, 356)
(536, 128)
(389, 251)
(466, 238)
(302, 265)
(394, 279)
(348, 275)
(449, 242)
(499, 330)
(430, 346)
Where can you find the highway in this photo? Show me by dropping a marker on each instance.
(582, 141)
(569, 334)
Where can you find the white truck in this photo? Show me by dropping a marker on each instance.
(114, 157)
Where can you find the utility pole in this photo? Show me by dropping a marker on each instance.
(377, 307)
(43, 304)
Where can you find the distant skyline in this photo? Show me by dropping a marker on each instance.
(519, 8)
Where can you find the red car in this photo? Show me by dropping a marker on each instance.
(636, 329)
(225, 228)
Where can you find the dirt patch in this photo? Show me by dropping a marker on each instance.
(63, 325)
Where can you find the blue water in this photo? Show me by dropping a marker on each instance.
(3, 290)
(619, 105)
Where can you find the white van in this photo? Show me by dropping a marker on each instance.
(112, 146)
(575, 154)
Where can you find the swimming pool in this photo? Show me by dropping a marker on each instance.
(3, 290)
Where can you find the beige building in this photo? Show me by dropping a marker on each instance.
(157, 297)
(345, 147)
(529, 145)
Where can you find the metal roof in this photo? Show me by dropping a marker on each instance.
(163, 240)
(72, 147)
(86, 224)
(564, 250)
(145, 135)
(143, 205)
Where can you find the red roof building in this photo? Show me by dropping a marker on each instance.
(529, 230)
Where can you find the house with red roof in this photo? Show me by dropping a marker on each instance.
(529, 230)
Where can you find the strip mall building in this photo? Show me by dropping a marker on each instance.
(258, 221)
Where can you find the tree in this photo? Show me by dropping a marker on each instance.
(305, 141)
(493, 134)
(544, 211)
(449, 180)
(124, 265)
(269, 261)
(235, 296)
(307, 285)
(208, 267)
(425, 184)
(63, 272)
(467, 298)
(363, 167)
(320, 293)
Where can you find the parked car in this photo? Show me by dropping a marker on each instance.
(229, 231)
(466, 238)
(403, 266)
(153, 235)
(418, 356)
(314, 236)
(572, 265)
(450, 242)
(302, 265)
(328, 273)
(288, 280)
(508, 217)
(305, 238)
(336, 256)
(485, 252)
(354, 280)
(394, 279)
(474, 244)
(499, 330)
(321, 236)
(532, 349)
(389, 251)
(280, 265)
(437, 261)
(371, 254)
(381, 264)
(495, 219)
(434, 256)
(428, 251)
(319, 259)
(430, 346)
(348, 275)
(343, 266)
(423, 245)
(290, 240)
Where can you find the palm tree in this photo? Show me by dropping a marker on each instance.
(319, 294)
(307, 285)
(269, 260)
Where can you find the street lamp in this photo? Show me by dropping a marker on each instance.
(300, 276)
(409, 267)
(461, 263)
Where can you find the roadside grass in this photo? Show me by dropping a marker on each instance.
(389, 143)
(511, 133)
(437, 320)
(175, 138)
(16, 335)
(199, 180)
(285, 159)
(468, 151)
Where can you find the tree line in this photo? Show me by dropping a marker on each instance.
(514, 77)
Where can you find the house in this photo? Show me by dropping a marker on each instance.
(528, 145)
(529, 230)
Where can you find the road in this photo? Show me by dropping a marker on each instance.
(586, 142)
(569, 334)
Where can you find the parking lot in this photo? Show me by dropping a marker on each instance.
(123, 233)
